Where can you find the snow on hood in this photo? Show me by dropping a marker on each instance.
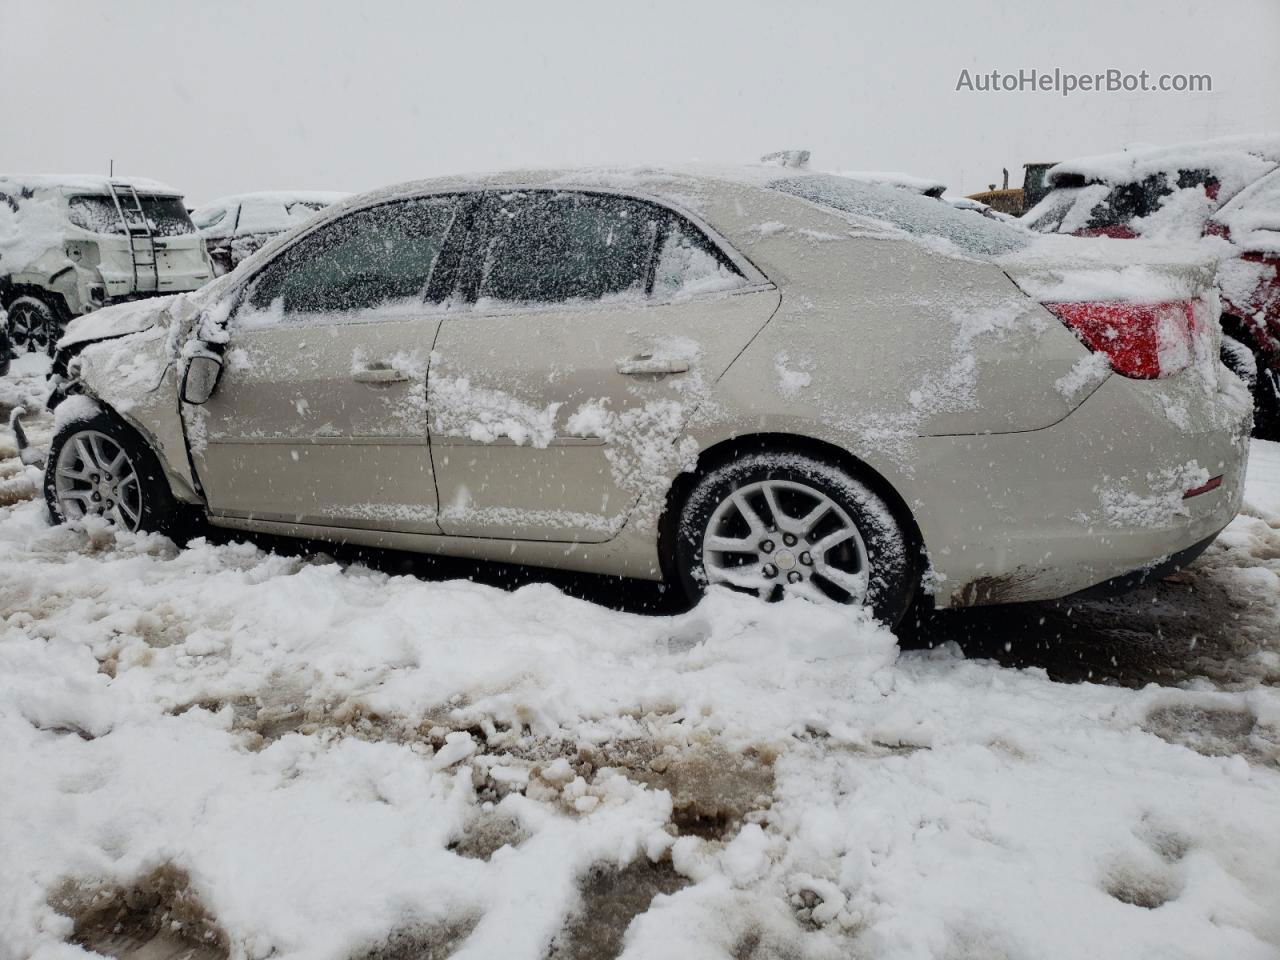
(117, 321)
(1056, 268)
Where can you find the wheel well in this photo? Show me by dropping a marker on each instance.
(50, 298)
(735, 447)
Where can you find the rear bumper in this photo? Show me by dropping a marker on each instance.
(1095, 499)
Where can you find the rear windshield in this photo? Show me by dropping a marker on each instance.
(917, 215)
(167, 216)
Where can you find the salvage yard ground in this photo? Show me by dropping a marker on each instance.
(221, 751)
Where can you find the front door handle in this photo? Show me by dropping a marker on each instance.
(379, 373)
(646, 364)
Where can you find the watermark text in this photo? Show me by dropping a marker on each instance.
(1065, 82)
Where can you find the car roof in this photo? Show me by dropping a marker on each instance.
(278, 196)
(85, 183)
(691, 186)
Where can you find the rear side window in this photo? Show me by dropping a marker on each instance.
(369, 259)
(95, 214)
(919, 216)
(689, 264)
(545, 247)
(552, 247)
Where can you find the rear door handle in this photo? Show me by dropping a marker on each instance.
(379, 373)
(646, 364)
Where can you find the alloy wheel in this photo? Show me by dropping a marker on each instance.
(779, 537)
(95, 477)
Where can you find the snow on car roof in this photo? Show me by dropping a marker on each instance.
(1235, 161)
(279, 196)
(84, 182)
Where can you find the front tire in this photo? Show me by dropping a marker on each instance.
(100, 467)
(779, 524)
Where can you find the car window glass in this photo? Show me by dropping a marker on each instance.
(378, 258)
(204, 219)
(165, 216)
(1129, 201)
(554, 247)
(95, 214)
(262, 216)
(689, 264)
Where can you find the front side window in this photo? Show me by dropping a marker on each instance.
(371, 259)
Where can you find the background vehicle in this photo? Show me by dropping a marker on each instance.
(1014, 201)
(793, 383)
(72, 244)
(1184, 193)
(234, 227)
(6, 346)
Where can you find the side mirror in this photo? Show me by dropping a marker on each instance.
(200, 377)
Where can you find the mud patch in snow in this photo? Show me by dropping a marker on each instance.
(156, 918)
(609, 900)
(1215, 732)
(423, 941)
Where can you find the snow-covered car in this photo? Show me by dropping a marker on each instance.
(72, 244)
(234, 227)
(782, 382)
(1186, 192)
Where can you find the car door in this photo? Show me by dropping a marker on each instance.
(559, 404)
(320, 416)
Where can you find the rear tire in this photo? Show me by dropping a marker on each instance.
(778, 524)
(99, 466)
(33, 325)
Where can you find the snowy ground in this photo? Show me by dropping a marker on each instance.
(286, 756)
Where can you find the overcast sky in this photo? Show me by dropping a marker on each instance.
(223, 96)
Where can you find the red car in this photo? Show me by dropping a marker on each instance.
(1226, 189)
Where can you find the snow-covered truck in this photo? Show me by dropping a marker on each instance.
(72, 244)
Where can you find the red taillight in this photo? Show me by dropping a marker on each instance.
(1142, 340)
(1213, 484)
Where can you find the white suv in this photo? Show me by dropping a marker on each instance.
(72, 244)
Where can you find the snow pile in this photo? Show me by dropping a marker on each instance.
(301, 760)
(30, 227)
